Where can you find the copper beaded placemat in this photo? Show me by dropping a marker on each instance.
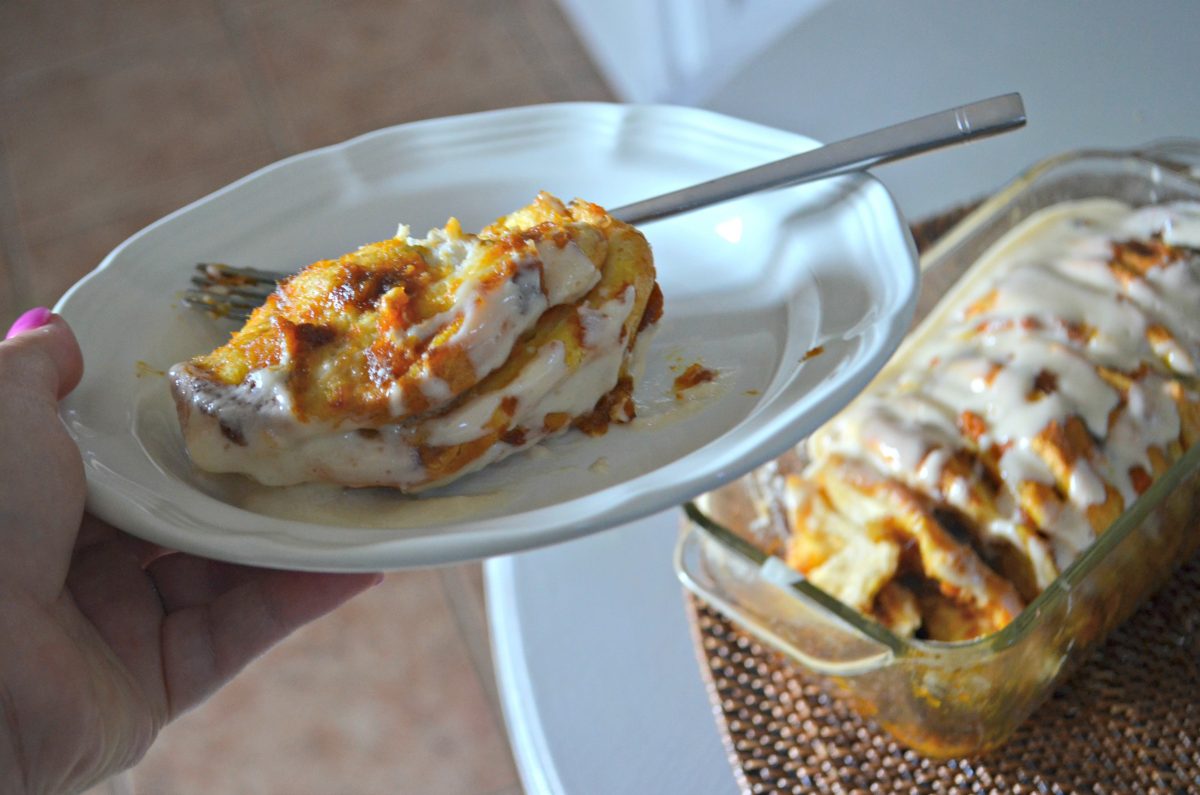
(1127, 722)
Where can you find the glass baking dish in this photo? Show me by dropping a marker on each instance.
(953, 699)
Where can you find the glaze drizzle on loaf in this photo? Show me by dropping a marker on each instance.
(1033, 406)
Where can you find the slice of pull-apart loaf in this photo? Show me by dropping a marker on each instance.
(411, 362)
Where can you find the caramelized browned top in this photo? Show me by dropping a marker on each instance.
(340, 327)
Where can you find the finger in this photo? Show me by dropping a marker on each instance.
(205, 645)
(94, 530)
(189, 581)
(45, 359)
(41, 474)
(113, 591)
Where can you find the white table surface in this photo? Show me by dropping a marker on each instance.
(599, 681)
(602, 692)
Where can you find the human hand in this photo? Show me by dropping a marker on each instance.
(104, 638)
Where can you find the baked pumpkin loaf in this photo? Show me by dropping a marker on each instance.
(1033, 406)
(411, 362)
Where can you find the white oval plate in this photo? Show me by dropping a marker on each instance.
(750, 286)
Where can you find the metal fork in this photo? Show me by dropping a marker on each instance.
(234, 292)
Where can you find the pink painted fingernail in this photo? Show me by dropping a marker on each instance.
(34, 318)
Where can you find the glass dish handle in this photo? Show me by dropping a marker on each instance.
(1179, 154)
(852, 645)
(777, 573)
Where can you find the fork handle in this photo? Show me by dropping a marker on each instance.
(956, 125)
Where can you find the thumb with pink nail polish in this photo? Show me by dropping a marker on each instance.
(34, 318)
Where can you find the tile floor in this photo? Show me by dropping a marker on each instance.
(116, 112)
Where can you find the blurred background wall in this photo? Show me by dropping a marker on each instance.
(1100, 74)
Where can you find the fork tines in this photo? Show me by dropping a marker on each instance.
(227, 291)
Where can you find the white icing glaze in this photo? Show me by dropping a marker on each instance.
(261, 414)
(1046, 313)
(567, 274)
(469, 422)
(395, 398)
(490, 313)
